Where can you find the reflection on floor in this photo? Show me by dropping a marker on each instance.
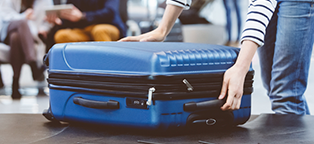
(29, 103)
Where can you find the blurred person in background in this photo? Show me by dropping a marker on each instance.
(88, 20)
(231, 6)
(20, 26)
(284, 31)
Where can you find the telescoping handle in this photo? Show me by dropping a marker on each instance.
(205, 105)
(96, 104)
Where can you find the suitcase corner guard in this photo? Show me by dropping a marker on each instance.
(49, 116)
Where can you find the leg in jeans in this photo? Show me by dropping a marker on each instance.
(228, 19)
(266, 53)
(286, 62)
(239, 19)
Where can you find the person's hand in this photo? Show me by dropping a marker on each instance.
(233, 83)
(73, 15)
(172, 12)
(153, 36)
(53, 18)
(29, 13)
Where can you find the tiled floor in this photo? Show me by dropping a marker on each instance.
(30, 102)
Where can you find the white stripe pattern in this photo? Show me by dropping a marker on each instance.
(258, 17)
(181, 3)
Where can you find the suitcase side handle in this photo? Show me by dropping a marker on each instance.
(205, 105)
(96, 104)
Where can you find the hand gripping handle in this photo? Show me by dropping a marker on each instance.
(205, 105)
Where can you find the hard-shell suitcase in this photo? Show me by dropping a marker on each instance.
(143, 85)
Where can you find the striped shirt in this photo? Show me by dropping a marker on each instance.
(181, 3)
(258, 17)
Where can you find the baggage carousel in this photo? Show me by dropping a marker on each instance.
(265, 128)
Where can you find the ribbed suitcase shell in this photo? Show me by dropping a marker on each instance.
(112, 64)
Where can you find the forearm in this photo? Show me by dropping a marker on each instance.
(171, 14)
(248, 49)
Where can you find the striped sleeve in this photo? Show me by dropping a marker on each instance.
(181, 3)
(258, 17)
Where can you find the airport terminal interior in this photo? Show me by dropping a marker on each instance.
(22, 120)
(143, 16)
(142, 13)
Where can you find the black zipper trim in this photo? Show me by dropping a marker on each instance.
(167, 86)
(169, 79)
(137, 86)
(156, 95)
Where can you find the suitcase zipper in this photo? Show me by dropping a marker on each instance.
(150, 96)
(173, 88)
(190, 87)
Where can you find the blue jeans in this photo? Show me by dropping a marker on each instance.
(285, 58)
(228, 7)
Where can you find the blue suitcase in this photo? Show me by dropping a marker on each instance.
(142, 85)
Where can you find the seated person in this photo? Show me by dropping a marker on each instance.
(15, 31)
(88, 20)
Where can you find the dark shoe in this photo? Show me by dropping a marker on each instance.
(15, 89)
(38, 73)
(16, 94)
(41, 92)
